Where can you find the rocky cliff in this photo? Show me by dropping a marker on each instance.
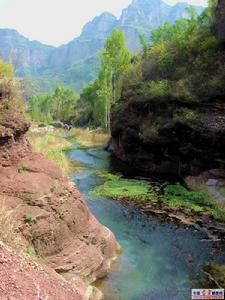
(170, 118)
(171, 138)
(51, 216)
(26, 56)
(219, 25)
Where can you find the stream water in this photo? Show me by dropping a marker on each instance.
(160, 260)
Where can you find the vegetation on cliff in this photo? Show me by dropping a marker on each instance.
(184, 61)
(8, 85)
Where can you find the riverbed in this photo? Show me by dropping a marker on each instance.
(160, 259)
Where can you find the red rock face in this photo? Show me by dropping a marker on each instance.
(63, 231)
(27, 281)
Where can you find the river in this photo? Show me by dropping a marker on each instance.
(160, 259)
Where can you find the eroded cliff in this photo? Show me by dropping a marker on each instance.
(51, 215)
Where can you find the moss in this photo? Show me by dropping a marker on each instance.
(117, 187)
(174, 196)
(197, 201)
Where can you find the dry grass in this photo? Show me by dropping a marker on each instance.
(8, 226)
(52, 145)
(88, 137)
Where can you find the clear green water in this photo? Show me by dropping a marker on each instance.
(160, 260)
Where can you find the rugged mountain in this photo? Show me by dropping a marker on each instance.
(68, 63)
(87, 44)
(143, 16)
(26, 56)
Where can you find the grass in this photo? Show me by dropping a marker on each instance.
(53, 146)
(174, 196)
(30, 251)
(8, 226)
(22, 169)
(87, 137)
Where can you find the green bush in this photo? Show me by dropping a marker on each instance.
(28, 218)
(31, 251)
(156, 89)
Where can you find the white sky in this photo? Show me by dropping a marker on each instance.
(55, 22)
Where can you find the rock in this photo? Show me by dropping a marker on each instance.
(22, 279)
(219, 20)
(213, 186)
(57, 124)
(41, 125)
(212, 182)
(172, 148)
(107, 145)
(63, 227)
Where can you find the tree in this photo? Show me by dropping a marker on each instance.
(56, 106)
(144, 44)
(115, 59)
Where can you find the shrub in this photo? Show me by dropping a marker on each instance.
(31, 251)
(185, 114)
(156, 89)
(28, 218)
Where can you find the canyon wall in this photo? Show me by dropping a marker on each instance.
(51, 215)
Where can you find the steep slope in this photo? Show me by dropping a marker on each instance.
(49, 66)
(26, 56)
(61, 228)
(87, 44)
(170, 118)
(22, 279)
(143, 16)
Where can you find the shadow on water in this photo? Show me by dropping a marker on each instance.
(160, 260)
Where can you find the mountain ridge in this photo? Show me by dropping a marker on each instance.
(33, 59)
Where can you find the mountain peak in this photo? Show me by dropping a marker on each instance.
(144, 3)
(100, 25)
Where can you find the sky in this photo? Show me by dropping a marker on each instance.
(56, 22)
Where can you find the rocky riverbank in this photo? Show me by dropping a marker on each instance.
(212, 229)
(52, 219)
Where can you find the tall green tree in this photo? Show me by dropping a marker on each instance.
(115, 60)
(55, 106)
